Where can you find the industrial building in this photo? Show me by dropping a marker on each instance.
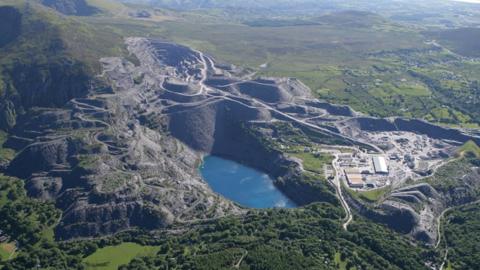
(380, 165)
(354, 178)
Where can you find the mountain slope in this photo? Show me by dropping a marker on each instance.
(71, 7)
(43, 62)
(10, 27)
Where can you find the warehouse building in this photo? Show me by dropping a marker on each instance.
(354, 178)
(380, 165)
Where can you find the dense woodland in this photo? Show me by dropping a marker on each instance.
(462, 238)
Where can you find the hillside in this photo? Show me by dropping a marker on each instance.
(10, 27)
(44, 47)
(463, 41)
(71, 7)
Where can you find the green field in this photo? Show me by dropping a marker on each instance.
(314, 163)
(371, 196)
(342, 265)
(470, 147)
(111, 257)
(6, 250)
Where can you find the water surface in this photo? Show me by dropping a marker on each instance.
(242, 184)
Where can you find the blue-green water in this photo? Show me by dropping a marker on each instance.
(242, 184)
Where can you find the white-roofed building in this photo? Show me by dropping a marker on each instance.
(380, 165)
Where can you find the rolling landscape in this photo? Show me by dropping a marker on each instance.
(270, 134)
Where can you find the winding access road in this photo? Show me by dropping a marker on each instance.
(338, 187)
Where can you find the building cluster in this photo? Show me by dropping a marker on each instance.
(364, 176)
(406, 156)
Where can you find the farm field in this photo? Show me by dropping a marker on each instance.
(6, 251)
(111, 257)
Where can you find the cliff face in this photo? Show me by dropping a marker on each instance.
(223, 129)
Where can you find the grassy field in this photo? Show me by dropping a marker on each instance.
(470, 147)
(111, 257)
(370, 195)
(373, 195)
(314, 163)
(342, 265)
(6, 250)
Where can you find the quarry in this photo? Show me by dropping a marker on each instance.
(139, 142)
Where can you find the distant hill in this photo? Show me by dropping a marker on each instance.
(464, 41)
(71, 7)
(348, 18)
(351, 18)
(248, 4)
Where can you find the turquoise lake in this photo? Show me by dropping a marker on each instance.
(241, 184)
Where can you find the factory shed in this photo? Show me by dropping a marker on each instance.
(380, 165)
(354, 178)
